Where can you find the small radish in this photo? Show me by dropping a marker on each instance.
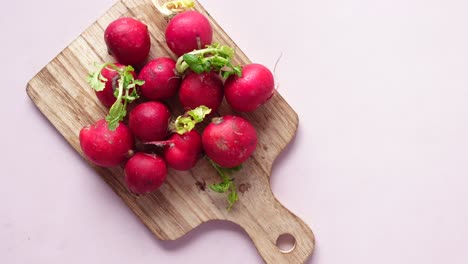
(201, 89)
(182, 152)
(188, 31)
(183, 149)
(149, 121)
(251, 90)
(229, 140)
(104, 147)
(112, 76)
(161, 81)
(128, 40)
(144, 173)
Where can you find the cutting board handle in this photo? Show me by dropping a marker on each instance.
(270, 221)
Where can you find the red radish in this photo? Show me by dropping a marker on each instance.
(161, 81)
(128, 40)
(149, 121)
(201, 89)
(104, 147)
(107, 96)
(188, 31)
(182, 151)
(253, 89)
(144, 173)
(229, 140)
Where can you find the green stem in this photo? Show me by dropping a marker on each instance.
(220, 171)
(126, 101)
(182, 66)
(186, 122)
(224, 173)
(112, 119)
(233, 201)
(113, 66)
(121, 88)
(104, 66)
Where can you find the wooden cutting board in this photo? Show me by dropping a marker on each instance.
(61, 93)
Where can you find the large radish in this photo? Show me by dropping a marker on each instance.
(229, 140)
(201, 89)
(149, 121)
(188, 31)
(161, 81)
(105, 147)
(144, 173)
(128, 40)
(252, 89)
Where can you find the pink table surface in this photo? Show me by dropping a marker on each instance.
(379, 168)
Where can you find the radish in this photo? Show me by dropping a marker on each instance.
(183, 149)
(149, 121)
(229, 140)
(104, 147)
(161, 81)
(251, 90)
(188, 31)
(201, 89)
(128, 40)
(107, 96)
(144, 173)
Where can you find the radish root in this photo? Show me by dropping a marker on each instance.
(274, 71)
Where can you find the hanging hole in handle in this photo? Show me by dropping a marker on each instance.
(286, 243)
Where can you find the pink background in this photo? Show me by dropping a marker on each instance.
(378, 169)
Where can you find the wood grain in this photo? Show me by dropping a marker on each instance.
(60, 92)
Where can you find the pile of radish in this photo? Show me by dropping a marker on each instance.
(201, 77)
